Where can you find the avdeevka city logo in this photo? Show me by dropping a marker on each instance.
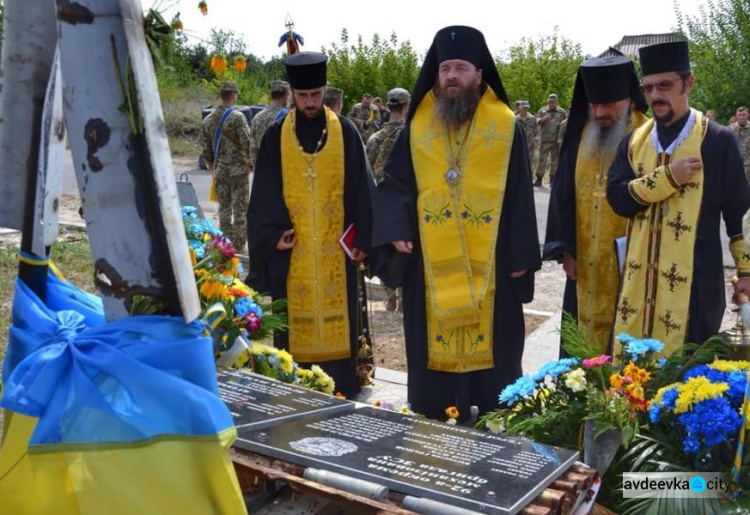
(697, 484)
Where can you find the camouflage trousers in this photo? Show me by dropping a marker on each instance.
(530, 147)
(233, 194)
(547, 149)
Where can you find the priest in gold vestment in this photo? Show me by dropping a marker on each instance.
(674, 178)
(581, 226)
(456, 211)
(312, 182)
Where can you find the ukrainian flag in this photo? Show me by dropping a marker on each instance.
(120, 417)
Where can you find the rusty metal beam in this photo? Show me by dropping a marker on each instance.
(123, 166)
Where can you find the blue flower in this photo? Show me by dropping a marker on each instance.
(669, 398)
(448, 213)
(691, 444)
(487, 219)
(464, 214)
(661, 362)
(712, 421)
(523, 387)
(555, 368)
(637, 348)
(654, 413)
(242, 306)
(256, 309)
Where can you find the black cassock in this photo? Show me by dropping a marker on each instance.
(561, 222)
(395, 218)
(725, 193)
(268, 218)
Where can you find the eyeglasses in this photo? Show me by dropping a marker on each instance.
(662, 86)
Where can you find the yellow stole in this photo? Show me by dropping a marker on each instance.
(458, 226)
(597, 228)
(655, 297)
(316, 284)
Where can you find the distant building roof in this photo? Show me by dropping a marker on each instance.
(629, 45)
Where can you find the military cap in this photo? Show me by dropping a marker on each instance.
(398, 96)
(229, 86)
(279, 86)
(552, 96)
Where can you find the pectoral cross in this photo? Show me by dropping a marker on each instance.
(310, 175)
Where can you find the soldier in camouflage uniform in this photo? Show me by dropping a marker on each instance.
(279, 100)
(528, 124)
(365, 116)
(549, 119)
(741, 128)
(231, 164)
(561, 132)
(385, 114)
(379, 147)
(334, 99)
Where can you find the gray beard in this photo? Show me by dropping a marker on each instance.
(604, 140)
(458, 110)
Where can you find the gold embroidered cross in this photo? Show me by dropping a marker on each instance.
(426, 138)
(669, 323)
(491, 135)
(673, 277)
(310, 175)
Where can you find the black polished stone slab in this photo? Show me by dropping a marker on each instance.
(257, 401)
(463, 467)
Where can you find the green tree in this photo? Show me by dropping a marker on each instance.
(532, 69)
(720, 54)
(375, 68)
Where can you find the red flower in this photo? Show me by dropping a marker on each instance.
(252, 323)
(224, 246)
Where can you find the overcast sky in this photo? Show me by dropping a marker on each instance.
(595, 24)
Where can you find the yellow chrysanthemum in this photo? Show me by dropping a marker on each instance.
(304, 374)
(200, 272)
(317, 371)
(211, 289)
(630, 369)
(695, 390)
(452, 412)
(615, 380)
(723, 365)
(636, 391)
(285, 361)
(327, 386)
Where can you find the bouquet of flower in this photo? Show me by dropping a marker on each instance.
(316, 379)
(551, 405)
(269, 361)
(229, 306)
(704, 411)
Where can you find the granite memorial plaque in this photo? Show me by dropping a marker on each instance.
(459, 466)
(257, 401)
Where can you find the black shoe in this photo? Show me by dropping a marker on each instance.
(538, 181)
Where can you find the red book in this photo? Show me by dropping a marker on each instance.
(347, 240)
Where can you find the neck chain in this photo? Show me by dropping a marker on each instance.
(310, 158)
(455, 153)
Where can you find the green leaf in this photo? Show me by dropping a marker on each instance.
(602, 426)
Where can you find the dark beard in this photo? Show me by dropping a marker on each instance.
(457, 110)
(665, 118)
